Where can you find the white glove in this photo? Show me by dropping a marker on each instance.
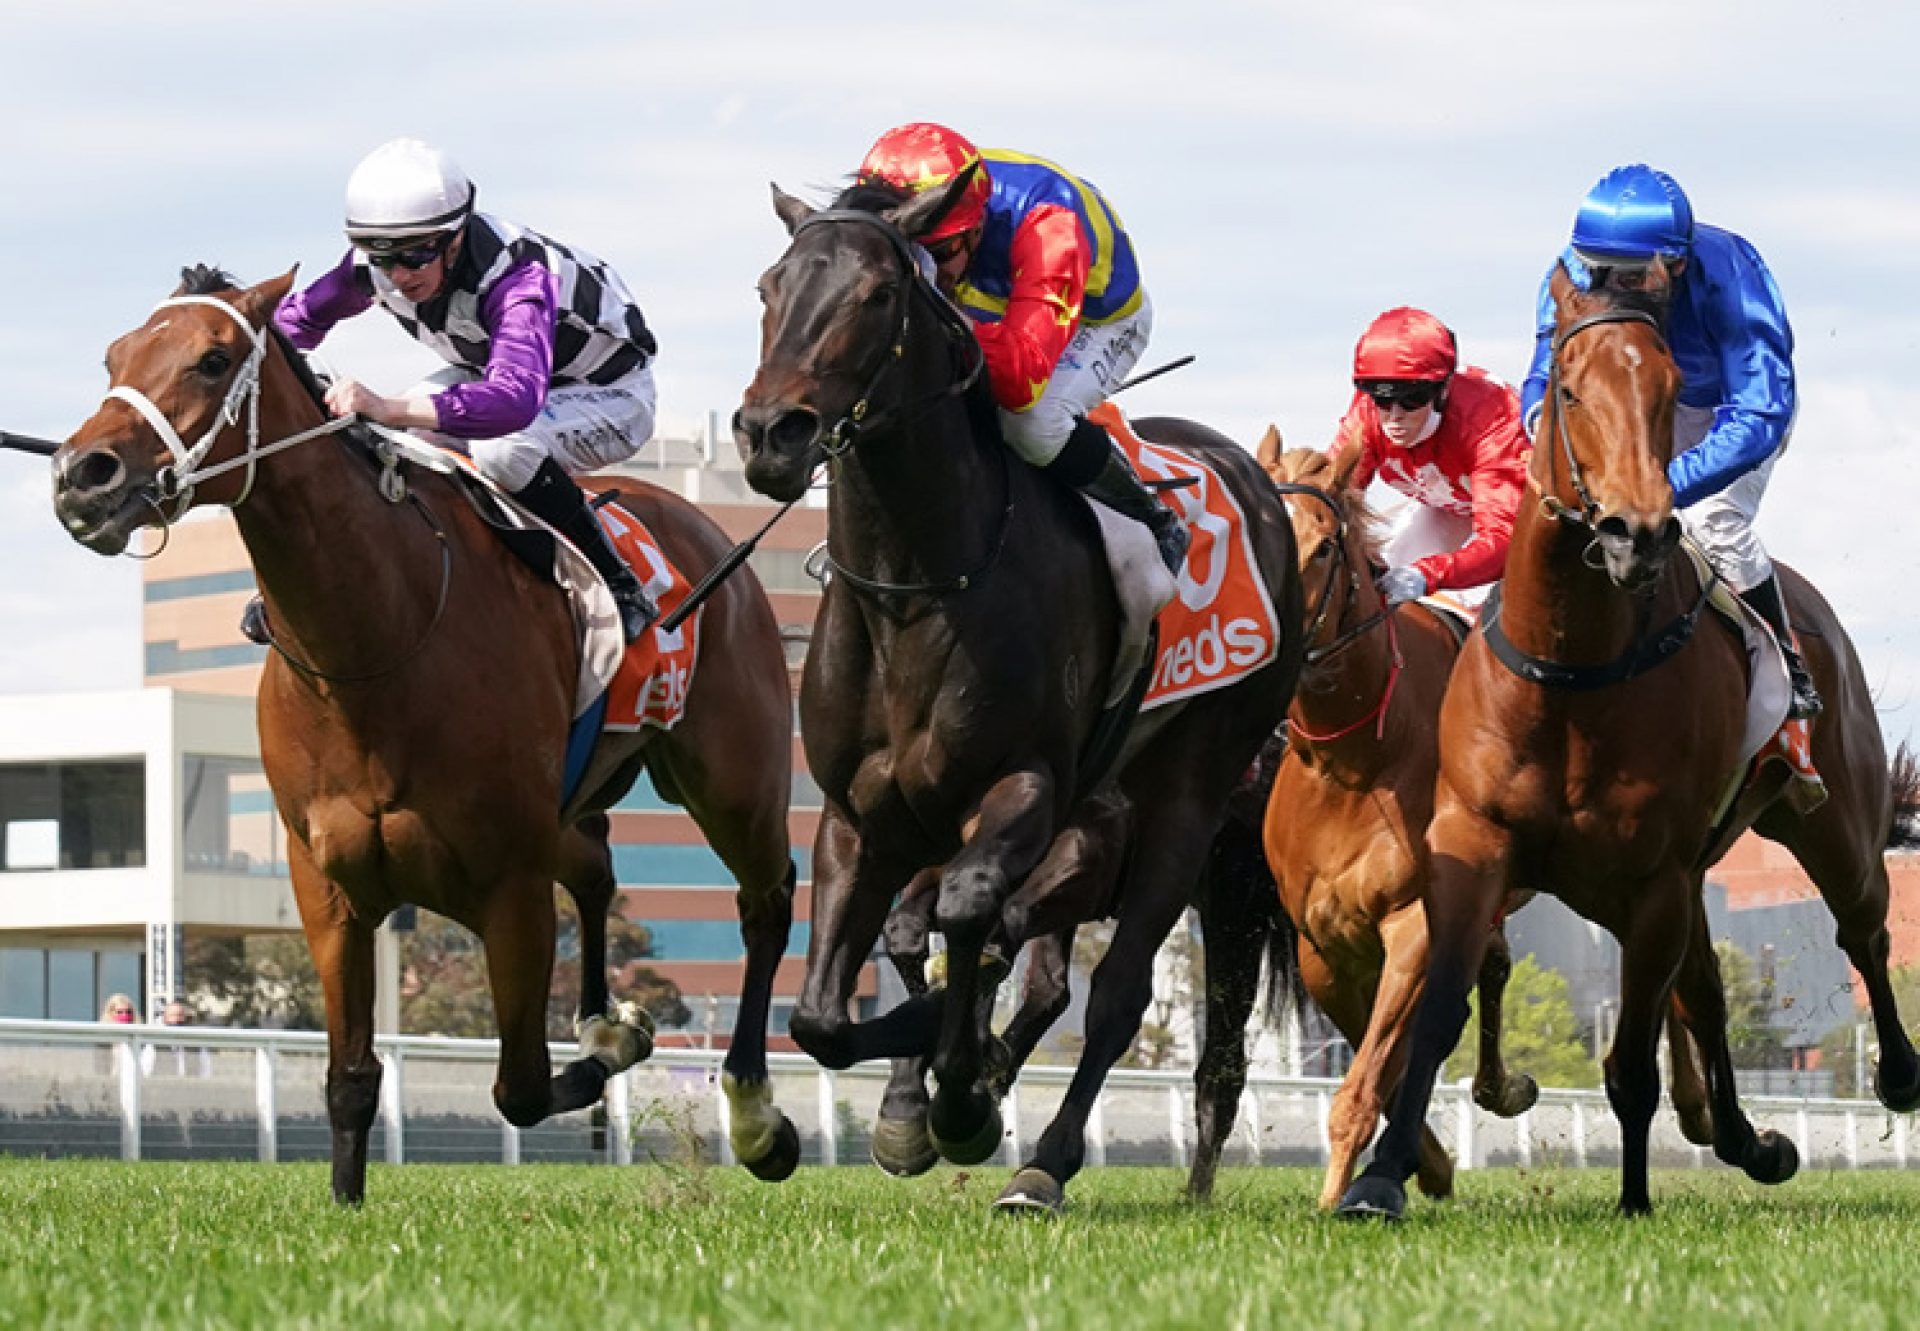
(1400, 585)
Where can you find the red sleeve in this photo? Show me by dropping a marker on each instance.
(1497, 445)
(1358, 429)
(1049, 261)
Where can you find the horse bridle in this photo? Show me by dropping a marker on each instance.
(860, 418)
(1339, 564)
(175, 483)
(1587, 516)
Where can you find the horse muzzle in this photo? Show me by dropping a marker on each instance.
(1634, 551)
(780, 446)
(96, 499)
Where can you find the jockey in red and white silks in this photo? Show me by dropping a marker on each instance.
(1041, 264)
(1447, 437)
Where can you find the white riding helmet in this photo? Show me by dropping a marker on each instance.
(403, 192)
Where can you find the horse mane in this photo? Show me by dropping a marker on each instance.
(1309, 466)
(205, 279)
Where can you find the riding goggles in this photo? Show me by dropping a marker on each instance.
(1409, 395)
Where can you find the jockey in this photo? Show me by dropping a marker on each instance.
(1044, 269)
(1450, 439)
(550, 362)
(1728, 330)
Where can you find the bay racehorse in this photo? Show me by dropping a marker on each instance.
(1594, 765)
(1345, 834)
(414, 721)
(959, 663)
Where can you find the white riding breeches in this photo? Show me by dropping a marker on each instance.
(583, 427)
(1722, 523)
(1418, 531)
(1098, 357)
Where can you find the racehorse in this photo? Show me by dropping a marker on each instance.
(959, 663)
(1590, 735)
(414, 719)
(1344, 833)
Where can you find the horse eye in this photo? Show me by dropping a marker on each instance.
(215, 363)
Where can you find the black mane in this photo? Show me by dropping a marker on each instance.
(205, 279)
(868, 194)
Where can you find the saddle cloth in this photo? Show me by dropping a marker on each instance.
(1770, 735)
(1217, 621)
(643, 683)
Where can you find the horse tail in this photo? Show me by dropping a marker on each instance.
(1286, 989)
(1904, 773)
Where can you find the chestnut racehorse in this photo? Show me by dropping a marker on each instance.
(1594, 765)
(1345, 833)
(959, 665)
(414, 721)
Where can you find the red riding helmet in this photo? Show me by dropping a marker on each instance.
(924, 156)
(1405, 344)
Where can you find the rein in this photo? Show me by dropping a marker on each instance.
(1340, 564)
(861, 419)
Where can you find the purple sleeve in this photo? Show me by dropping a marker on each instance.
(308, 316)
(519, 314)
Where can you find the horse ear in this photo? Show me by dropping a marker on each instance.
(1345, 454)
(259, 302)
(790, 210)
(923, 211)
(1267, 452)
(1560, 286)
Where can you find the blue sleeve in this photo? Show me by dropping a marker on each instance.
(1544, 320)
(1747, 321)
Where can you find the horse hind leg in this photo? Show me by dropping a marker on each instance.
(1494, 1088)
(620, 1037)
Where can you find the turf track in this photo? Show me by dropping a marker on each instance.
(96, 1244)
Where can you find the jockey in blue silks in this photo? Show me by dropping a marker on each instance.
(1727, 328)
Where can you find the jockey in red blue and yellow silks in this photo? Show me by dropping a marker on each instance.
(1040, 262)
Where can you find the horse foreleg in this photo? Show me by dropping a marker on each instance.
(1013, 831)
(1765, 1156)
(1494, 1089)
(1044, 997)
(517, 934)
(1464, 889)
(586, 871)
(900, 1144)
(1651, 947)
(342, 948)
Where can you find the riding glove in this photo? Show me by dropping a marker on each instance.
(1400, 585)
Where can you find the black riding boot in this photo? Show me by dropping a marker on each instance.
(1100, 471)
(1772, 606)
(553, 497)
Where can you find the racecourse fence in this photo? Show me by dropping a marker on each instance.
(79, 1089)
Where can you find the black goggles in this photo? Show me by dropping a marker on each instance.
(1407, 394)
(412, 258)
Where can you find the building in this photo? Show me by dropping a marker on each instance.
(193, 595)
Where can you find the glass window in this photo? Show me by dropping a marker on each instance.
(80, 815)
(23, 982)
(70, 987)
(228, 820)
(120, 973)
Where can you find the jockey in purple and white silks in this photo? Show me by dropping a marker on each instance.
(550, 362)
(1727, 328)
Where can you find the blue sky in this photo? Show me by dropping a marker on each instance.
(1287, 172)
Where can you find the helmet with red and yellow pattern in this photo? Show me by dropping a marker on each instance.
(924, 156)
(1405, 344)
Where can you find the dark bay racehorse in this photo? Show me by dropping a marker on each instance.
(414, 722)
(1598, 778)
(959, 661)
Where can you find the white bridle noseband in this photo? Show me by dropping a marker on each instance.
(176, 482)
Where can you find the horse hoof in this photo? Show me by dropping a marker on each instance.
(1512, 1098)
(1372, 1198)
(997, 1061)
(974, 1147)
(1031, 1192)
(617, 1044)
(782, 1156)
(1900, 1099)
(1774, 1158)
(902, 1148)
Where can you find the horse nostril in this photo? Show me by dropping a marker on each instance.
(1670, 533)
(794, 430)
(95, 470)
(1613, 528)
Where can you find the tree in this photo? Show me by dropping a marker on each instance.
(1538, 1033)
(1751, 1036)
(264, 980)
(1836, 1047)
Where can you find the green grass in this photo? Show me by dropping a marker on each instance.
(96, 1244)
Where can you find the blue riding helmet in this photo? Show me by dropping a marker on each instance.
(1634, 213)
